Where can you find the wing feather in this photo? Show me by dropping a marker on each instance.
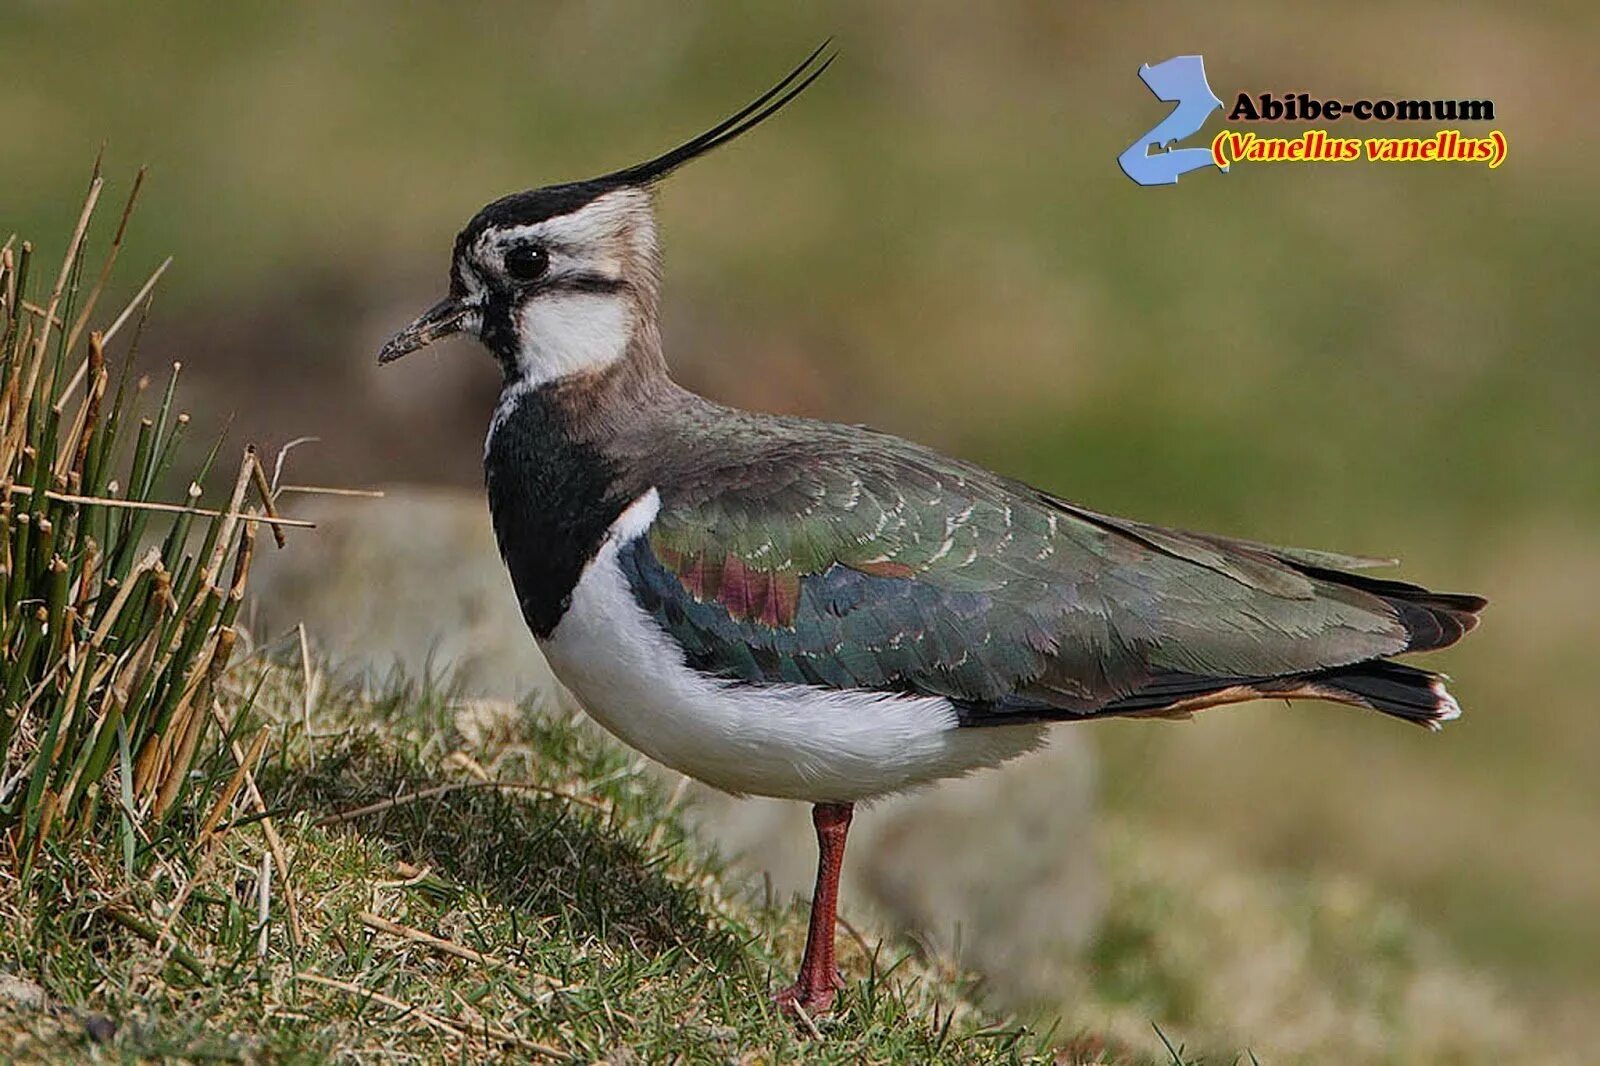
(835, 556)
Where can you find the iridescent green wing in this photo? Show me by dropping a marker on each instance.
(855, 560)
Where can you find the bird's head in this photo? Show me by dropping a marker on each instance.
(559, 280)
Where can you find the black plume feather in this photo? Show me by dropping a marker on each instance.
(536, 205)
(736, 125)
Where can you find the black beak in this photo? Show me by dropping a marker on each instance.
(440, 320)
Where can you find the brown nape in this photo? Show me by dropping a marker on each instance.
(606, 402)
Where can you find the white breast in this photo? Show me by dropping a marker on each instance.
(788, 741)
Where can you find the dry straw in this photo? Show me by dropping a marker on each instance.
(117, 607)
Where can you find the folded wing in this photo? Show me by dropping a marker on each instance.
(892, 568)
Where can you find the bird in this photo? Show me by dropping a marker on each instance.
(825, 613)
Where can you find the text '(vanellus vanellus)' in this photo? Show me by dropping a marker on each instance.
(818, 612)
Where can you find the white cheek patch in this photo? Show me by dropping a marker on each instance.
(566, 333)
(565, 330)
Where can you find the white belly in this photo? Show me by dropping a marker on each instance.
(789, 741)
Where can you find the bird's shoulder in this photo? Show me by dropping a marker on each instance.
(795, 494)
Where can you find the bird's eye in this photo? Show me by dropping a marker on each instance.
(527, 262)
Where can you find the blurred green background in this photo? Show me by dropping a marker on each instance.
(937, 240)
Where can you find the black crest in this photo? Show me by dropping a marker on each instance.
(536, 205)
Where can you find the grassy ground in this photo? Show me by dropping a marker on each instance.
(468, 880)
(567, 919)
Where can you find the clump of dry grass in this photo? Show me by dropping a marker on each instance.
(112, 639)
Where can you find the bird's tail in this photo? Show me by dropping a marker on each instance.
(1431, 619)
(1405, 692)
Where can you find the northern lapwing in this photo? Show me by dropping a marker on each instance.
(781, 607)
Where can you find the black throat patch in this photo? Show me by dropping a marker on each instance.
(553, 498)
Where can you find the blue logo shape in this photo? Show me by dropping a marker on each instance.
(1180, 80)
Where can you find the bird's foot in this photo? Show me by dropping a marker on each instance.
(812, 993)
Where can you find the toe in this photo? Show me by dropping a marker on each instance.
(815, 1001)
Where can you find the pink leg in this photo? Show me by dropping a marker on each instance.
(819, 978)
